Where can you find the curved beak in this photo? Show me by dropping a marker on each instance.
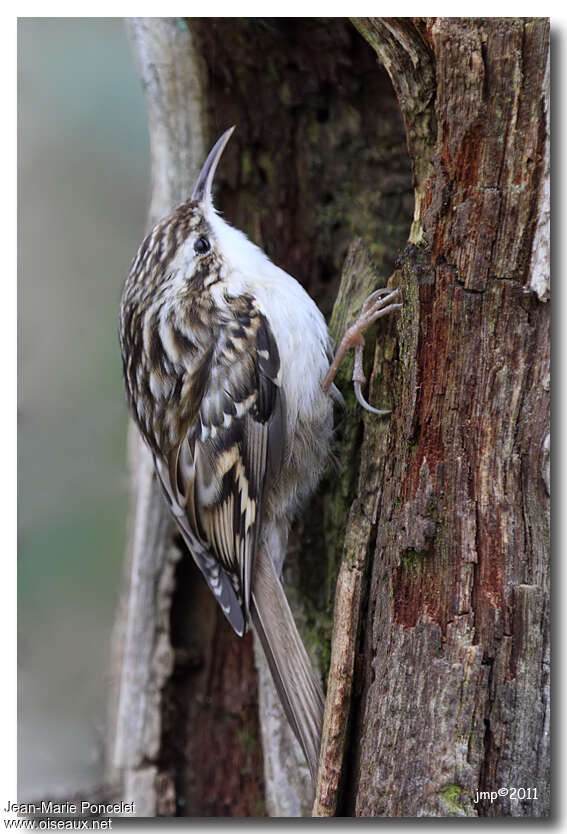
(204, 184)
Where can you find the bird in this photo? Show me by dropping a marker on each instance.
(228, 369)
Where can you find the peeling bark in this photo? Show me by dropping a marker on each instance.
(456, 651)
(358, 281)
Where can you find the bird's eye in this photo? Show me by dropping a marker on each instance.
(202, 245)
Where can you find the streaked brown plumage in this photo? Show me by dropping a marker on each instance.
(226, 364)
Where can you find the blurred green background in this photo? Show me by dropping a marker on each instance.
(83, 188)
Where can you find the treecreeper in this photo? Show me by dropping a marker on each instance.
(228, 367)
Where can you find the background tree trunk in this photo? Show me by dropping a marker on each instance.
(442, 607)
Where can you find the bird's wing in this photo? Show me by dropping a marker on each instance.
(217, 477)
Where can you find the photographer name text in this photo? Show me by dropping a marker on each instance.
(110, 809)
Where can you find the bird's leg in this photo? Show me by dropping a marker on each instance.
(378, 304)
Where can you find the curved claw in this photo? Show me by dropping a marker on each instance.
(378, 304)
(360, 398)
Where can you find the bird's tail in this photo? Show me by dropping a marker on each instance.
(295, 680)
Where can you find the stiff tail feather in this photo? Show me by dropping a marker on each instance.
(298, 688)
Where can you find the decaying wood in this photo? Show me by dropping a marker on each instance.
(455, 661)
(358, 281)
(406, 55)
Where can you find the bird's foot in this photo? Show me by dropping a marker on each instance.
(378, 304)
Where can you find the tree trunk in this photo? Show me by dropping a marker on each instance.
(454, 673)
(441, 610)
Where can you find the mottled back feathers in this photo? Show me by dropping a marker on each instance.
(208, 401)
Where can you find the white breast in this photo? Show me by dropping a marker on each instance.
(296, 322)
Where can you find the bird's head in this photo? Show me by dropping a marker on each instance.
(201, 250)
(192, 247)
(195, 229)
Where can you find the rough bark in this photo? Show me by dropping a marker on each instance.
(455, 662)
(359, 279)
